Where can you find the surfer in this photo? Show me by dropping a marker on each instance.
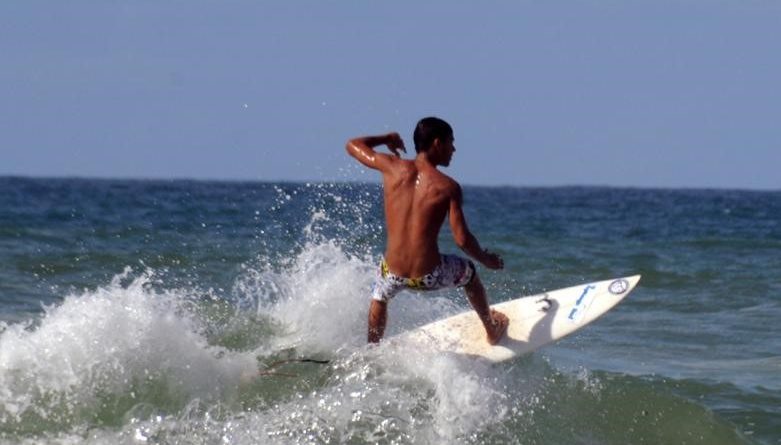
(418, 197)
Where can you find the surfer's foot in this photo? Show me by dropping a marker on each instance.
(497, 328)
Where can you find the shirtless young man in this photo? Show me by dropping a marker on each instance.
(418, 197)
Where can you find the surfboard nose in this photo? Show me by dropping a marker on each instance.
(632, 281)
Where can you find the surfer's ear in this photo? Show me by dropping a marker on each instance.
(436, 144)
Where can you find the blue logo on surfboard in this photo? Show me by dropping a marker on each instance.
(580, 305)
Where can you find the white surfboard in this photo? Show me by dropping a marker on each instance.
(534, 321)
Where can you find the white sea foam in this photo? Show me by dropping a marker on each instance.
(324, 295)
(105, 342)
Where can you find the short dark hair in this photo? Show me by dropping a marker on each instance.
(428, 129)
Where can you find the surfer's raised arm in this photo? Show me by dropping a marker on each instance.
(464, 239)
(362, 149)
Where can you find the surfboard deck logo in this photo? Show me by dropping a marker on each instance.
(618, 286)
(581, 304)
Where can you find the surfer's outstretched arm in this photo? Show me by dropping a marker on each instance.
(464, 239)
(362, 149)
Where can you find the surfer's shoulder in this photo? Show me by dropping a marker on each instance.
(453, 187)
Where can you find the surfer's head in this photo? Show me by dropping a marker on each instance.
(428, 130)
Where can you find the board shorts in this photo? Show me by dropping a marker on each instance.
(452, 271)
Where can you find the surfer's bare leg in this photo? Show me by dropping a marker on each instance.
(378, 318)
(495, 322)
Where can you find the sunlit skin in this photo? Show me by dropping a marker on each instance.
(418, 197)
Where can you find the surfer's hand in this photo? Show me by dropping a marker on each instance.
(395, 143)
(492, 260)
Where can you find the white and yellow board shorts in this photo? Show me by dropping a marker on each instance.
(452, 271)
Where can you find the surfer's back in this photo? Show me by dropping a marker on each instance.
(417, 197)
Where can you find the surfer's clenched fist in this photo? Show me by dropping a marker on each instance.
(395, 144)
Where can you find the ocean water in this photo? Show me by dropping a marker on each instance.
(181, 312)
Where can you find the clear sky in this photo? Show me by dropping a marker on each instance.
(606, 92)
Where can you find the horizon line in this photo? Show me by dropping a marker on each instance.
(358, 181)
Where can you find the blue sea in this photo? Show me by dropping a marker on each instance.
(188, 312)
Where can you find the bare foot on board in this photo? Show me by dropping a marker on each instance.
(499, 327)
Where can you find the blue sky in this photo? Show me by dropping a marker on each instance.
(605, 92)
